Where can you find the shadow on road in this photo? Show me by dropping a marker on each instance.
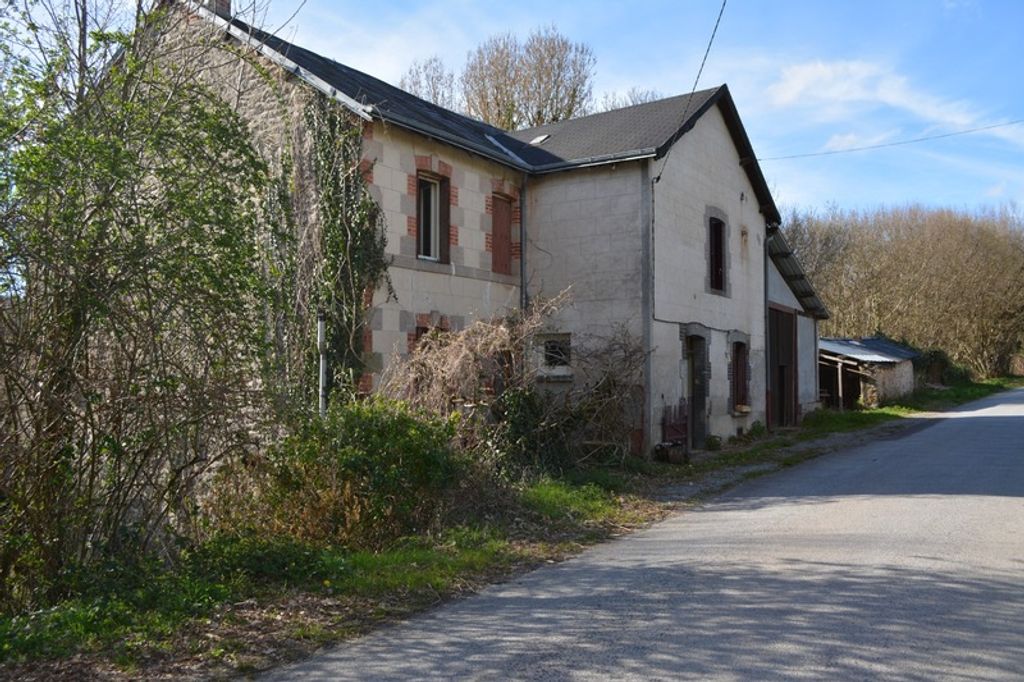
(665, 621)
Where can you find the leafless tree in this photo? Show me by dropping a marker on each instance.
(557, 76)
(514, 85)
(632, 97)
(940, 279)
(431, 80)
(491, 82)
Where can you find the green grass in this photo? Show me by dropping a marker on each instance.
(957, 394)
(132, 610)
(824, 422)
(557, 499)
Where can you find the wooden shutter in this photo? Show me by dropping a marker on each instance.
(740, 374)
(717, 254)
(501, 236)
(444, 213)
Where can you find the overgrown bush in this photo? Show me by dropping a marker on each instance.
(370, 472)
(488, 374)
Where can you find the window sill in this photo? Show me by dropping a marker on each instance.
(555, 379)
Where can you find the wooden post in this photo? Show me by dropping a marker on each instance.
(839, 383)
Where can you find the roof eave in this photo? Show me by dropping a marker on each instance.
(784, 259)
(602, 160)
(500, 155)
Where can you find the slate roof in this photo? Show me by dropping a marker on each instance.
(642, 129)
(873, 349)
(394, 104)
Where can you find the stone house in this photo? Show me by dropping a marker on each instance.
(656, 216)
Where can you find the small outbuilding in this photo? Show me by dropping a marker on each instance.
(864, 372)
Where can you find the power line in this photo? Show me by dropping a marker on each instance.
(707, 51)
(893, 144)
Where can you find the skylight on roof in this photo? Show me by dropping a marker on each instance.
(540, 138)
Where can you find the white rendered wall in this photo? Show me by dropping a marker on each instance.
(584, 234)
(702, 171)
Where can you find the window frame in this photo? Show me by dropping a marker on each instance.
(433, 253)
(559, 370)
(717, 255)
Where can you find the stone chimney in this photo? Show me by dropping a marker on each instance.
(221, 8)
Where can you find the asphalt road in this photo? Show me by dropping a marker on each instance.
(902, 559)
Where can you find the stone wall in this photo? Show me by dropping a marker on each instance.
(584, 234)
(432, 294)
(429, 294)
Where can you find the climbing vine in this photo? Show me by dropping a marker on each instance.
(351, 238)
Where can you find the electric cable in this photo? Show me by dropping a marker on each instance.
(897, 143)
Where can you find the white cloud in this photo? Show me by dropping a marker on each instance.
(996, 191)
(844, 141)
(858, 82)
(841, 90)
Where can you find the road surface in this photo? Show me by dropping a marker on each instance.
(901, 559)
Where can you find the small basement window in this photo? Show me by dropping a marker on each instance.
(554, 357)
(557, 352)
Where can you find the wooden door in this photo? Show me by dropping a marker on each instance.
(696, 353)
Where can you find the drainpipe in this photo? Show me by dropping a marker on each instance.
(646, 293)
(524, 297)
(768, 231)
(321, 344)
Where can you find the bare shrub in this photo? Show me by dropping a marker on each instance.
(490, 374)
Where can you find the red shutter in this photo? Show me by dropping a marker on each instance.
(444, 229)
(740, 375)
(501, 236)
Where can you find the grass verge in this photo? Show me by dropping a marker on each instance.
(241, 604)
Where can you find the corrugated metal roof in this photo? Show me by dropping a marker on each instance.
(872, 349)
(789, 267)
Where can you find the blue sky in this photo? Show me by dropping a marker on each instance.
(807, 76)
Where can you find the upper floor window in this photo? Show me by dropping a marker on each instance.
(428, 218)
(432, 217)
(716, 254)
(501, 236)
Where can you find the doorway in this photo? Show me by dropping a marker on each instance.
(782, 394)
(696, 354)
